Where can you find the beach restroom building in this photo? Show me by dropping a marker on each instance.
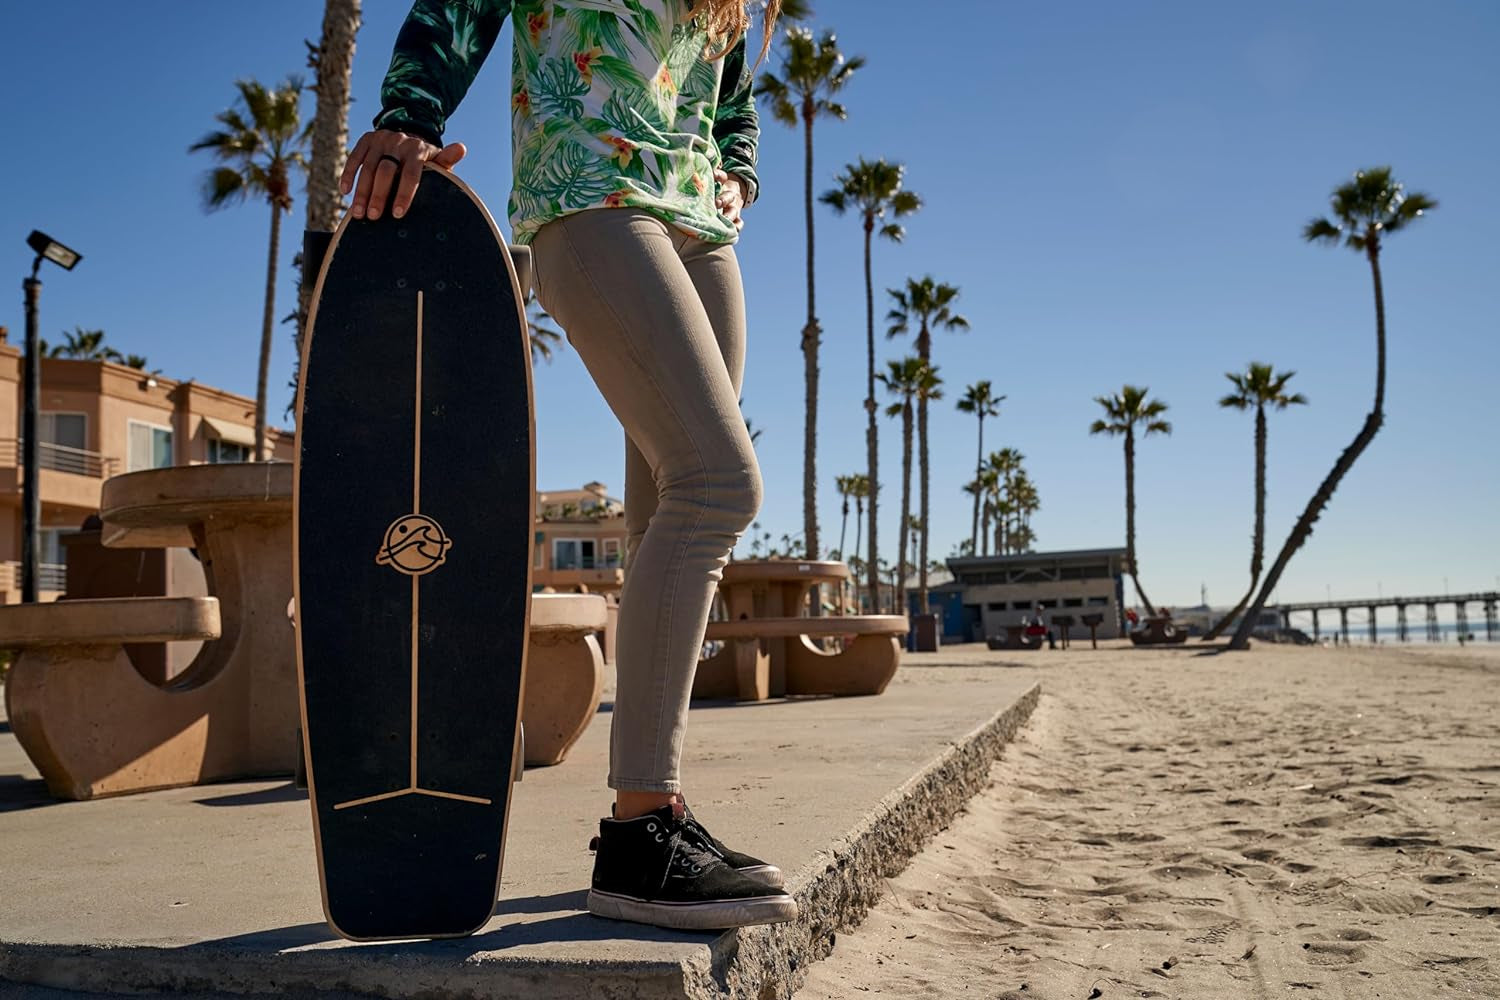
(990, 592)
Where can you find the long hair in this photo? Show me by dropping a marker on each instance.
(727, 20)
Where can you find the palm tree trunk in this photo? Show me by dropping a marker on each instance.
(1258, 537)
(872, 435)
(1302, 530)
(844, 527)
(267, 321)
(922, 605)
(978, 471)
(810, 338)
(905, 507)
(1130, 521)
(332, 62)
(859, 523)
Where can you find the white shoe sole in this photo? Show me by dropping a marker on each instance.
(710, 916)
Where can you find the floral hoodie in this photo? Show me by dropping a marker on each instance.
(614, 103)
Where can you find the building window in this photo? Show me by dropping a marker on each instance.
(1072, 602)
(612, 553)
(573, 553)
(150, 447)
(996, 606)
(70, 430)
(1098, 602)
(538, 542)
(220, 451)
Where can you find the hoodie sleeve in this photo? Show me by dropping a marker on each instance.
(736, 124)
(438, 53)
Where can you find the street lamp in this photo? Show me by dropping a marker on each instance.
(31, 495)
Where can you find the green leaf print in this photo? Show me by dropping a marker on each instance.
(573, 176)
(589, 28)
(646, 27)
(703, 81)
(557, 87)
(466, 44)
(633, 115)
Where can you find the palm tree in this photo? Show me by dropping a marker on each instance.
(814, 71)
(998, 478)
(82, 345)
(874, 188)
(841, 486)
(544, 337)
(980, 400)
(331, 62)
(259, 146)
(927, 305)
(907, 380)
(1365, 210)
(1126, 409)
(859, 489)
(1257, 387)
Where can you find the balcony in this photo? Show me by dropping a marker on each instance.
(70, 477)
(61, 458)
(50, 577)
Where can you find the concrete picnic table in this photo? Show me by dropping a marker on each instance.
(94, 726)
(775, 588)
(768, 652)
(238, 517)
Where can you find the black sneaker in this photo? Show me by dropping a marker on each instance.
(766, 874)
(653, 870)
(761, 871)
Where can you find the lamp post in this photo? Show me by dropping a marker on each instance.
(31, 495)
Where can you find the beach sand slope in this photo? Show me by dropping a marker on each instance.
(1283, 822)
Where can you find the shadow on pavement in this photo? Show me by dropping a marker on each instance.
(19, 792)
(571, 923)
(288, 792)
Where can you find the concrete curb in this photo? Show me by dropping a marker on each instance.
(834, 891)
(837, 889)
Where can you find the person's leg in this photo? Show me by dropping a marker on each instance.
(715, 273)
(636, 319)
(615, 281)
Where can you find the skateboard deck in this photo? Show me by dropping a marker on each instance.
(412, 530)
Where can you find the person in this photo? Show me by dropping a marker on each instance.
(634, 137)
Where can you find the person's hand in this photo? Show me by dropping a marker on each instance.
(730, 199)
(378, 158)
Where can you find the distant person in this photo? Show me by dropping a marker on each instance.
(1036, 627)
(634, 137)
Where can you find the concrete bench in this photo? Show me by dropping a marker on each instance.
(564, 673)
(742, 669)
(94, 726)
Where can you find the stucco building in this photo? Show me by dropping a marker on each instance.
(580, 542)
(99, 419)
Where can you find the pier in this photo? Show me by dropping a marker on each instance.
(1488, 600)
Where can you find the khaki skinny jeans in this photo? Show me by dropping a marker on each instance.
(658, 318)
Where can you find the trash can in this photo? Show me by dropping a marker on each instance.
(924, 630)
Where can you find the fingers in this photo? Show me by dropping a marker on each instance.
(352, 164)
(411, 173)
(385, 179)
(450, 154)
(387, 162)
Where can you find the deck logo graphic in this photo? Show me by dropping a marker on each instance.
(414, 544)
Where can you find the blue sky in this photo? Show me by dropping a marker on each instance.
(1118, 191)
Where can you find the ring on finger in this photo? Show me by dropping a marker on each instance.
(387, 156)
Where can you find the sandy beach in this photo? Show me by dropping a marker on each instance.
(1287, 822)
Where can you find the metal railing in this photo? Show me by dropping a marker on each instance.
(49, 576)
(61, 458)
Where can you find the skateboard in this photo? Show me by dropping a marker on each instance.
(412, 529)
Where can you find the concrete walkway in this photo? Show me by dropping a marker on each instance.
(214, 889)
